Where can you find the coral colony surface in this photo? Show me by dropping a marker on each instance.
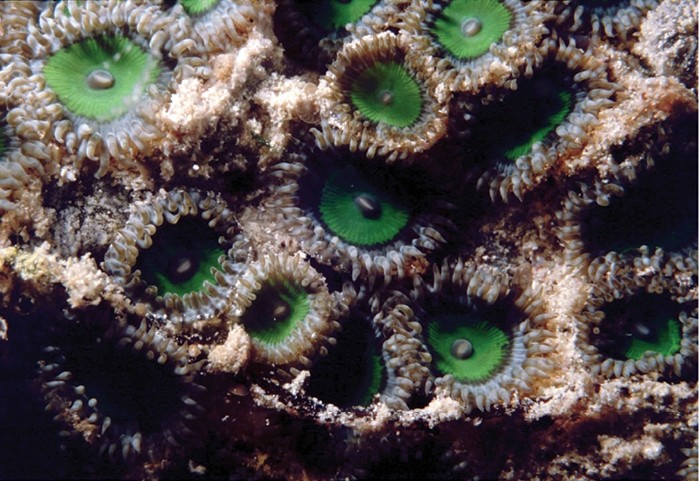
(348, 239)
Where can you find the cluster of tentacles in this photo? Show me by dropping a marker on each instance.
(331, 239)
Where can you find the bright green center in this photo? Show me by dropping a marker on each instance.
(467, 28)
(101, 78)
(335, 14)
(360, 213)
(663, 338)
(182, 257)
(278, 308)
(448, 336)
(387, 93)
(198, 7)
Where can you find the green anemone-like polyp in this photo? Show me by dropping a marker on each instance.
(550, 104)
(489, 345)
(359, 212)
(198, 7)
(335, 14)
(467, 28)
(387, 93)
(278, 308)
(640, 324)
(182, 257)
(353, 372)
(666, 341)
(101, 78)
(524, 117)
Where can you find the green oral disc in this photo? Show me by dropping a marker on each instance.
(639, 324)
(335, 14)
(198, 7)
(530, 114)
(359, 213)
(541, 109)
(101, 78)
(277, 309)
(664, 338)
(469, 349)
(181, 257)
(387, 93)
(467, 28)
